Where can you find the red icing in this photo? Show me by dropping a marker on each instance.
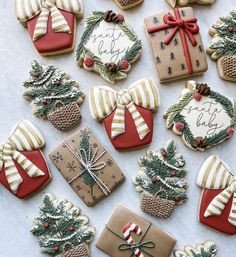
(29, 185)
(53, 41)
(219, 223)
(130, 138)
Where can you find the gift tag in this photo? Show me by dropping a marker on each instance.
(108, 46)
(51, 24)
(202, 117)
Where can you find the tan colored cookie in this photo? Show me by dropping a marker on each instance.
(127, 4)
(174, 3)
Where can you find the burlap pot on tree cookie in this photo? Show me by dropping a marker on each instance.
(156, 206)
(66, 116)
(227, 67)
(79, 251)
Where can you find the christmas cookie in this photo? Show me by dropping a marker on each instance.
(87, 166)
(132, 235)
(202, 117)
(108, 46)
(207, 249)
(161, 181)
(128, 114)
(61, 230)
(51, 23)
(218, 202)
(223, 46)
(127, 4)
(23, 169)
(174, 3)
(53, 96)
(176, 44)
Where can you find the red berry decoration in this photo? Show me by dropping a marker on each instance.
(197, 96)
(230, 132)
(120, 17)
(56, 248)
(58, 82)
(164, 154)
(173, 174)
(230, 29)
(154, 180)
(88, 62)
(46, 225)
(45, 101)
(177, 199)
(36, 74)
(179, 126)
(72, 229)
(124, 65)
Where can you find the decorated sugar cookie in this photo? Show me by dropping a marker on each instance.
(23, 169)
(128, 114)
(53, 96)
(174, 3)
(176, 44)
(202, 117)
(218, 201)
(51, 23)
(223, 46)
(161, 181)
(127, 4)
(61, 229)
(207, 249)
(108, 46)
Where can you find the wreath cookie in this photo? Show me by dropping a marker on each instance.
(202, 117)
(161, 181)
(127, 4)
(108, 46)
(223, 46)
(174, 3)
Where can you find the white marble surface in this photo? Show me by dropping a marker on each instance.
(16, 53)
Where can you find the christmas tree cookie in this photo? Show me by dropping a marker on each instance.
(218, 200)
(108, 46)
(174, 3)
(161, 181)
(53, 95)
(127, 4)
(51, 23)
(61, 230)
(207, 249)
(223, 46)
(202, 117)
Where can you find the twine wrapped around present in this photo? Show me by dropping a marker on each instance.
(24, 137)
(28, 9)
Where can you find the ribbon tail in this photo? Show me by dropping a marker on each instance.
(32, 170)
(118, 122)
(13, 177)
(59, 23)
(140, 123)
(41, 25)
(232, 216)
(218, 204)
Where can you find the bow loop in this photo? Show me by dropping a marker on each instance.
(104, 100)
(215, 174)
(24, 137)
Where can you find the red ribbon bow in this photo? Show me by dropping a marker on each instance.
(184, 27)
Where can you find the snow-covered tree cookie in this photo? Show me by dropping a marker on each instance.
(161, 181)
(61, 230)
(207, 249)
(127, 4)
(53, 96)
(174, 3)
(202, 117)
(108, 46)
(223, 45)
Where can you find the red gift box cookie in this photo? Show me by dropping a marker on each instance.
(23, 167)
(127, 114)
(51, 23)
(218, 202)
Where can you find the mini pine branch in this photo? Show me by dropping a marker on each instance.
(60, 227)
(162, 174)
(48, 89)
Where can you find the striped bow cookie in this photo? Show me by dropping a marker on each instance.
(103, 100)
(27, 9)
(24, 137)
(215, 174)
